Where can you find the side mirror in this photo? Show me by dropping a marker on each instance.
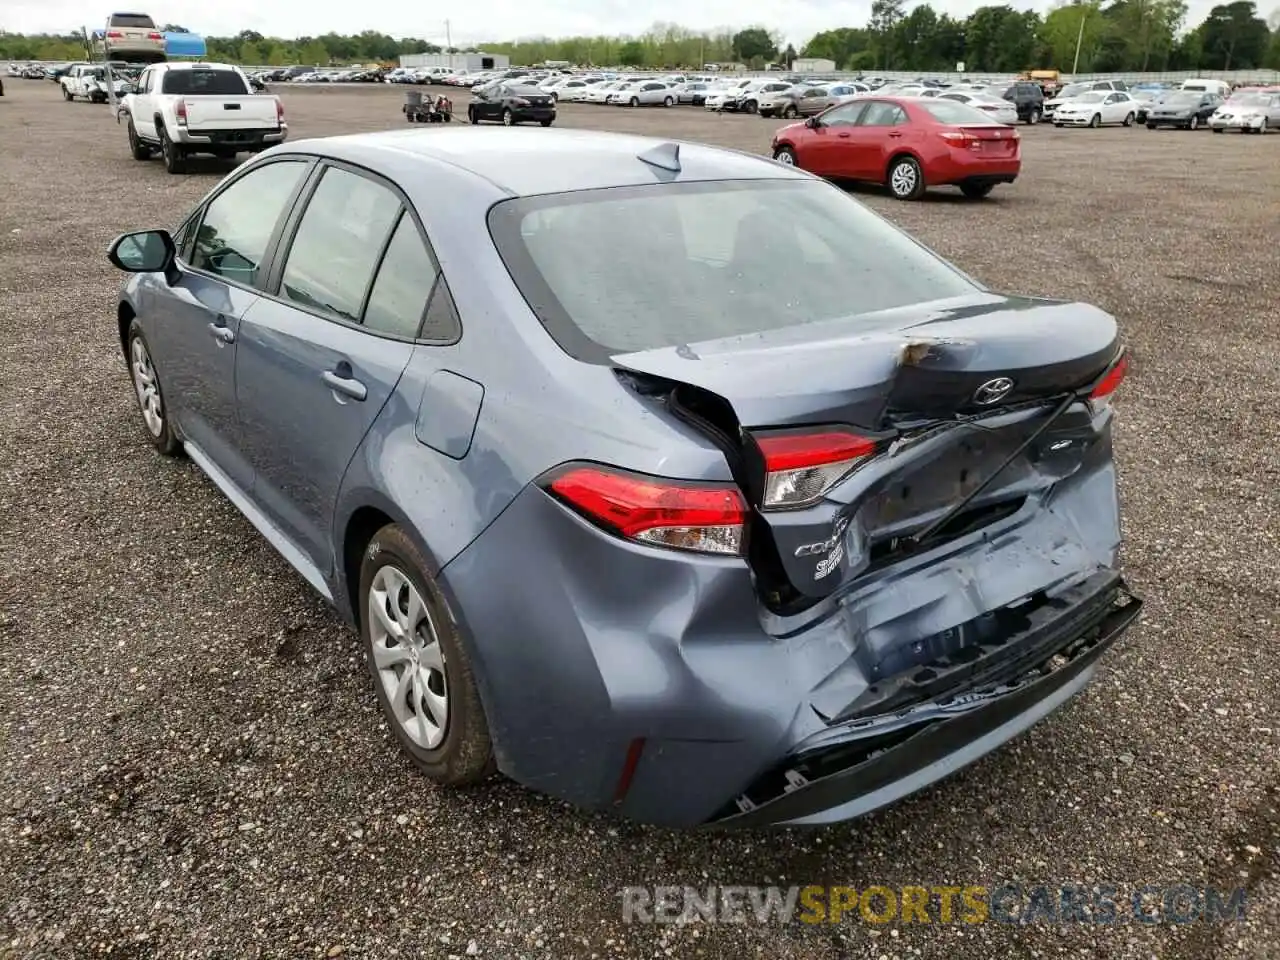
(147, 251)
(813, 123)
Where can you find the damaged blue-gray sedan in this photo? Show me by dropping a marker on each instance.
(660, 478)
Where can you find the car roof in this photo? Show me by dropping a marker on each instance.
(524, 162)
(196, 65)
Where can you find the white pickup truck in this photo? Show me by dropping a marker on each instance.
(184, 108)
(89, 82)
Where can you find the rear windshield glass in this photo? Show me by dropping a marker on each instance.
(959, 114)
(638, 268)
(218, 83)
(138, 20)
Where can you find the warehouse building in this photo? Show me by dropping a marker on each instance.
(813, 65)
(470, 62)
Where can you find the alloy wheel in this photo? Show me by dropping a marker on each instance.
(408, 657)
(144, 382)
(903, 179)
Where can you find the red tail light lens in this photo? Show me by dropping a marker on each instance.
(155, 35)
(801, 466)
(279, 112)
(699, 517)
(180, 111)
(1108, 385)
(114, 34)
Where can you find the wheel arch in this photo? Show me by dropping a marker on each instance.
(125, 315)
(904, 153)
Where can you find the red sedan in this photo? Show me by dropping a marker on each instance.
(906, 143)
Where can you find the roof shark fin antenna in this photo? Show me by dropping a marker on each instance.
(665, 156)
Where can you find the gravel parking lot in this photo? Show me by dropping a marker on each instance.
(192, 761)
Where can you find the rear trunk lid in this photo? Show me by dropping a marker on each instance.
(996, 140)
(947, 394)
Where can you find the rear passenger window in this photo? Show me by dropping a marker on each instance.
(337, 243)
(400, 292)
(238, 223)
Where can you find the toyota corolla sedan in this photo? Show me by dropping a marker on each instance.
(906, 143)
(754, 512)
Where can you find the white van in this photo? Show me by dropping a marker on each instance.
(1201, 85)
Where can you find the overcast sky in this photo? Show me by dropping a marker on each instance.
(479, 20)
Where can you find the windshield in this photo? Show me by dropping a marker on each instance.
(1182, 97)
(1091, 97)
(702, 261)
(1073, 90)
(218, 83)
(137, 21)
(1249, 100)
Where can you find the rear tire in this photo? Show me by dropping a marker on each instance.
(906, 179)
(668, 102)
(1128, 121)
(1033, 117)
(635, 101)
(174, 161)
(545, 123)
(473, 117)
(66, 95)
(508, 118)
(464, 751)
(789, 112)
(976, 191)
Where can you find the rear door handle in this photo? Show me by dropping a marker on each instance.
(895, 134)
(221, 331)
(340, 381)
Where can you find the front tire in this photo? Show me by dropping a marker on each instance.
(1193, 123)
(1033, 117)
(786, 156)
(545, 123)
(789, 112)
(668, 102)
(635, 101)
(1128, 121)
(137, 149)
(421, 673)
(1095, 121)
(146, 387)
(473, 117)
(906, 179)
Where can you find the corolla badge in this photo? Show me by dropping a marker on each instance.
(993, 391)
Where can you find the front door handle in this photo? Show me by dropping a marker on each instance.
(221, 331)
(340, 381)
(895, 134)
(844, 135)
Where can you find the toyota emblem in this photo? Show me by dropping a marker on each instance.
(993, 391)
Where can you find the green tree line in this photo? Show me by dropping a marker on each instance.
(1112, 36)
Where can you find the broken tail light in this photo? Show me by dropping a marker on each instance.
(801, 466)
(700, 517)
(1100, 398)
